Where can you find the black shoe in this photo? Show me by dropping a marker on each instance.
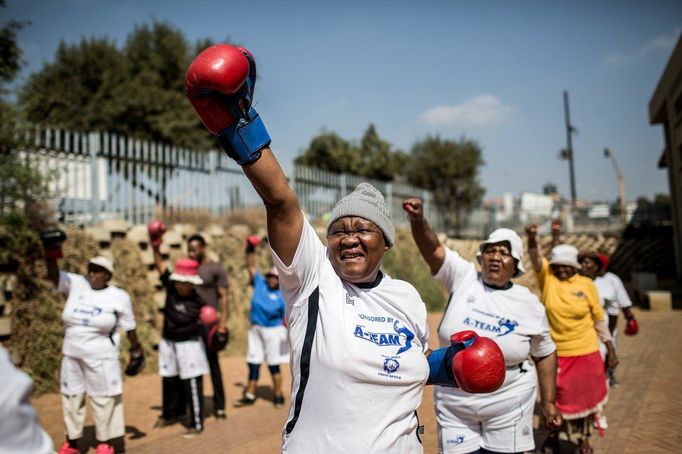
(248, 399)
(164, 422)
(278, 401)
(220, 414)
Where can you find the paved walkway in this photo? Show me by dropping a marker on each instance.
(644, 412)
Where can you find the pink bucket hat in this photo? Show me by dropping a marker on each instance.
(186, 270)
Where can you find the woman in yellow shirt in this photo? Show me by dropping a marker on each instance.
(577, 322)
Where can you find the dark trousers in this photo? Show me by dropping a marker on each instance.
(178, 395)
(216, 380)
(216, 375)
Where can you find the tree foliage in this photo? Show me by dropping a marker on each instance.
(449, 169)
(18, 183)
(373, 157)
(136, 90)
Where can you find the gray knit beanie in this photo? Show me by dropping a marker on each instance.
(368, 203)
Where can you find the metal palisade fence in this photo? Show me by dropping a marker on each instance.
(97, 176)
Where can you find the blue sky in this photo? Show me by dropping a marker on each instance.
(492, 71)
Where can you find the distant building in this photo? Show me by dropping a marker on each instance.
(665, 108)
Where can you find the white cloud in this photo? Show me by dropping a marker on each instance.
(663, 43)
(479, 111)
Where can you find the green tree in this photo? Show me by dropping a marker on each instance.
(76, 91)
(372, 158)
(136, 91)
(20, 185)
(380, 161)
(329, 151)
(449, 169)
(662, 199)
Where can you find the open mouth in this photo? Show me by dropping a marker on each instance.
(349, 256)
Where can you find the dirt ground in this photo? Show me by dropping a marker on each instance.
(645, 411)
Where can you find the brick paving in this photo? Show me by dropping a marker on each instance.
(644, 412)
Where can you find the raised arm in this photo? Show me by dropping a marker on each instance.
(430, 248)
(534, 249)
(251, 243)
(156, 229)
(284, 216)
(220, 83)
(556, 232)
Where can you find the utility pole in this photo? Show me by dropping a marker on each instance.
(570, 130)
(621, 183)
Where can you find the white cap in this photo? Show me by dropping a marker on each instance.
(509, 236)
(564, 254)
(103, 262)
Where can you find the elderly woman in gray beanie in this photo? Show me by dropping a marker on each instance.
(489, 303)
(357, 337)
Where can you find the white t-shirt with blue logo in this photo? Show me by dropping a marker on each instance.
(514, 318)
(612, 293)
(92, 318)
(357, 358)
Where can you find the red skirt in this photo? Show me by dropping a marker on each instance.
(581, 385)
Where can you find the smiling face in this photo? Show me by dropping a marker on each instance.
(98, 276)
(356, 249)
(563, 272)
(590, 267)
(195, 251)
(497, 264)
(272, 281)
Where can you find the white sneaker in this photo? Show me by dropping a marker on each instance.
(601, 419)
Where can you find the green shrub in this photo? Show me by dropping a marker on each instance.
(403, 261)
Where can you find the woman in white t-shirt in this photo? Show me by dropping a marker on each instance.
(93, 315)
(358, 338)
(490, 304)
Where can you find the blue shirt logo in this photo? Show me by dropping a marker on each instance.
(388, 339)
(391, 365)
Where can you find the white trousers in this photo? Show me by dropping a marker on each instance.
(269, 344)
(107, 411)
(186, 359)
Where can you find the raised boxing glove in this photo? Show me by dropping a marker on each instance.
(52, 243)
(631, 327)
(220, 83)
(473, 363)
(252, 243)
(156, 229)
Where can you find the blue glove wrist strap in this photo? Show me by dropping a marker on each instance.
(244, 140)
(440, 367)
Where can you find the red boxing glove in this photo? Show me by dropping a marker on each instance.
(253, 240)
(208, 315)
(631, 327)
(218, 71)
(156, 230)
(479, 367)
(52, 244)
